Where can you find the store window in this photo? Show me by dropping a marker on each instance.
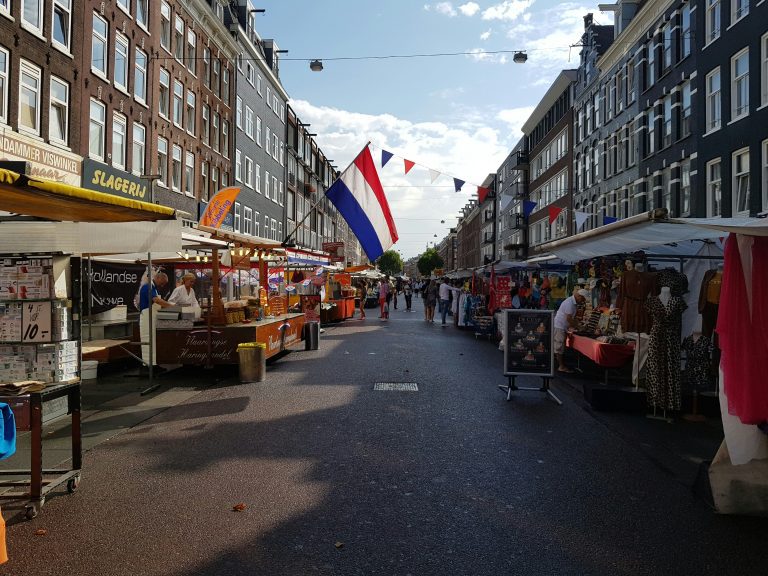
(176, 169)
(96, 129)
(121, 62)
(740, 182)
(140, 76)
(162, 162)
(189, 175)
(58, 121)
(714, 189)
(139, 149)
(740, 85)
(30, 84)
(99, 39)
(61, 34)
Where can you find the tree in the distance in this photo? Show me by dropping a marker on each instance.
(428, 261)
(390, 263)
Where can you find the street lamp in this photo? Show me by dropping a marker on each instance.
(520, 57)
(316, 65)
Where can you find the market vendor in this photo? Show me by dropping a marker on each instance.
(184, 295)
(159, 280)
(565, 320)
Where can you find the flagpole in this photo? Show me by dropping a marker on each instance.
(286, 243)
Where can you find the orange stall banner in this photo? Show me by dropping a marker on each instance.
(219, 207)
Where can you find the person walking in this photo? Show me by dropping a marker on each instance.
(398, 289)
(408, 293)
(384, 295)
(362, 292)
(430, 300)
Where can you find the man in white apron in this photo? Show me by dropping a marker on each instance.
(148, 294)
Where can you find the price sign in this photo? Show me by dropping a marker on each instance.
(36, 322)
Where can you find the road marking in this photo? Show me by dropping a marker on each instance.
(396, 387)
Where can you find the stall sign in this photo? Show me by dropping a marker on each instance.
(279, 335)
(114, 285)
(503, 296)
(310, 305)
(277, 305)
(103, 178)
(227, 224)
(191, 346)
(529, 343)
(44, 161)
(335, 249)
(36, 322)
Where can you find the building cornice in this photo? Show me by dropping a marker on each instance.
(206, 20)
(646, 17)
(561, 83)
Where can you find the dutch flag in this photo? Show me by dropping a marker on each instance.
(359, 198)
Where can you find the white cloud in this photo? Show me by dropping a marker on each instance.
(507, 10)
(514, 118)
(480, 55)
(469, 9)
(485, 35)
(468, 149)
(445, 8)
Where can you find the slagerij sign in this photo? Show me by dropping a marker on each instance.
(103, 178)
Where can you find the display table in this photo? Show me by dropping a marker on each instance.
(190, 346)
(604, 355)
(343, 308)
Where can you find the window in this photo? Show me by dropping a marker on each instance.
(3, 84)
(685, 188)
(207, 67)
(121, 61)
(275, 146)
(164, 94)
(214, 179)
(29, 97)
(266, 184)
(215, 132)
(205, 192)
(62, 24)
(142, 13)
(162, 162)
(58, 122)
(178, 102)
(225, 85)
(267, 138)
(666, 133)
(178, 38)
(274, 188)
(269, 96)
(280, 194)
(714, 189)
(225, 138)
(257, 178)
(764, 70)
(139, 148)
(98, 113)
(256, 224)
(273, 230)
(685, 110)
(630, 80)
(279, 230)
(258, 84)
(225, 179)
(249, 73)
(650, 147)
(739, 9)
(165, 26)
(685, 31)
(740, 183)
(248, 172)
(713, 20)
(206, 125)
(714, 114)
(140, 76)
(124, 5)
(237, 217)
(189, 175)
(191, 112)
(247, 220)
(191, 51)
(119, 127)
(740, 85)
(666, 37)
(258, 130)
(650, 76)
(238, 166)
(265, 231)
(215, 84)
(239, 113)
(176, 169)
(99, 46)
(32, 14)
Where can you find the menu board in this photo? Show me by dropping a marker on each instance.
(529, 343)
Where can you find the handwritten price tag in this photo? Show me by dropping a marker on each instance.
(36, 322)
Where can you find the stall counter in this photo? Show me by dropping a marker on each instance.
(190, 346)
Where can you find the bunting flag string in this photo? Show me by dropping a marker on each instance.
(554, 212)
(386, 156)
(581, 218)
(609, 220)
(528, 207)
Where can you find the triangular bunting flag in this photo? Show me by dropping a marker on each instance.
(408, 165)
(528, 207)
(482, 193)
(434, 175)
(609, 220)
(458, 184)
(581, 217)
(385, 157)
(554, 212)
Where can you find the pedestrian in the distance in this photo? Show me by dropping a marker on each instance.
(362, 292)
(398, 289)
(430, 300)
(445, 297)
(408, 293)
(384, 296)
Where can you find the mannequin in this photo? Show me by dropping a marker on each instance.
(665, 295)
(639, 267)
(628, 265)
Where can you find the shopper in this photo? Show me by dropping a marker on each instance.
(430, 300)
(408, 293)
(445, 298)
(565, 320)
(362, 292)
(384, 295)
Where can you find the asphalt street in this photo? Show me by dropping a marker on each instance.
(338, 478)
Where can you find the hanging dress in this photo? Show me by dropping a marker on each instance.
(663, 364)
(698, 373)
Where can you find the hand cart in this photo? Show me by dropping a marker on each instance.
(28, 410)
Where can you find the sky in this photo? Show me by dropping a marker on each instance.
(459, 115)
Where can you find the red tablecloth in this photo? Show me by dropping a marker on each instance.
(602, 354)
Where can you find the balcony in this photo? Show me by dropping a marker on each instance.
(520, 160)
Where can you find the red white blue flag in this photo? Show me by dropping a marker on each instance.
(359, 198)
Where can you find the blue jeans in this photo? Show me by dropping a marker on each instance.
(444, 306)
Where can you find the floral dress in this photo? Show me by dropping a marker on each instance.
(663, 364)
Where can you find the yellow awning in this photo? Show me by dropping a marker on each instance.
(62, 202)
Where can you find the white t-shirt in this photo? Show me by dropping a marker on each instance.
(181, 298)
(567, 308)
